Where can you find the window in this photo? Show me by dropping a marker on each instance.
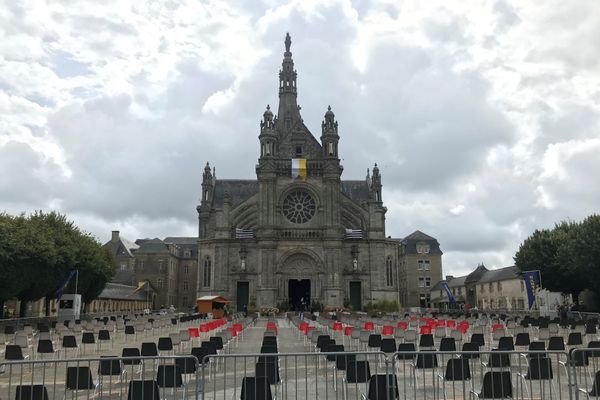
(423, 265)
(421, 281)
(141, 265)
(330, 149)
(298, 151)
(520, 304)
(187, 253)
(186, 270)
(482, 288)
(428, 283)
(123, 265)
(491, 287)
(159, 283)
(459, 291)
(499, 286)
(522, 286)
(423, 248)
(207, 272)
(389, 272)
(185, 286)
(161, 265)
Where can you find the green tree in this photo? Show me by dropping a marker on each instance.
(96, 267)
(12, 277)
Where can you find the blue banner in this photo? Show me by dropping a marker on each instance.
(532, 283)
(451, 298)
(63, 286)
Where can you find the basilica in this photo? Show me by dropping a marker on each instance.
(299, 232)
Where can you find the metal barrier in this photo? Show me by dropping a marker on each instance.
(376, 375)
(147, 378)
(413, 375)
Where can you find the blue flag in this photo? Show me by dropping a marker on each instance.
(532, 282)
(63, 286)
(451, 298)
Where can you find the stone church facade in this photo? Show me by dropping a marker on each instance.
(296, 232)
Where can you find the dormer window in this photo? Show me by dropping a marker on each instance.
(423, 248)
(298, 151)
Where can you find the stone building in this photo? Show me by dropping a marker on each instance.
(170, 265)
(301, 231)
(498, 289)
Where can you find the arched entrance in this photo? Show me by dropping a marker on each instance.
(299, 277)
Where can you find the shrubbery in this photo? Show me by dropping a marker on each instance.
(382, 306)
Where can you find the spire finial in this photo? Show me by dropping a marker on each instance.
(288, 42)
(329, 108)
(268, 107)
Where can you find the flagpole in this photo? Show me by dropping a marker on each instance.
(76, 279)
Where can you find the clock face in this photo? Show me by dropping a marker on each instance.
(299, 207)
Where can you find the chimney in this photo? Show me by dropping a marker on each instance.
(448, 277)
(115, 236)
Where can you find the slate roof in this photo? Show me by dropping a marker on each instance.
(476, 275)
(151, 246)
(121, 247)
(410, 243)
(357, 191)
(239, 190)
(118, 291)
(182, 240)
(500, 274)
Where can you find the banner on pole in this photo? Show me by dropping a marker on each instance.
(532, 283)
(299, 168)
(59, 291)
(451, 298)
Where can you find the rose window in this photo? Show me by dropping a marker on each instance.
(299, 207)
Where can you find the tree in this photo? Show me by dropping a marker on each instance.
(12, 277)
(96, 267)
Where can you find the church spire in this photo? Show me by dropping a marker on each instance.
(288, 108)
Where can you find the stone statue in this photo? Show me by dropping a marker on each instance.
(288, 42)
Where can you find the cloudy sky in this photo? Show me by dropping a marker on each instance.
(483, 116)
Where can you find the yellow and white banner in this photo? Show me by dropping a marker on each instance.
(299, 168)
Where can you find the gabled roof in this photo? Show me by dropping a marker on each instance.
(500, 274)
(151, 246)
(357, 191)
(410, 243)
(476, 275)
(121, 247)
(239, 191)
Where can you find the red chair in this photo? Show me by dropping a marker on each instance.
(369, 326)
(203, 328)
(425, 330)
(193, 332)
(337, 326)
(387, 330)
(402, 325)
(348, 331)
(440, 323)
(495, 327)
(451, 323)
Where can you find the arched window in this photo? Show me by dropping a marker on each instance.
(389, 272)
(207, 272)
(159, 283)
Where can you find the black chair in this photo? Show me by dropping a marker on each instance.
(374, 341)
(471, 351)
(143, 390)
(447, 344)
(537, 346)
(498, 360)
(200, 353)
(388, 345)
(522, 339)
(87, 338)
(496, 385)
(342, 361)
(31, 392)
(556, 343)
(595, 391)
(218, 341)
(336, 348)
(268, 370)
(165, 344)
(186, 365)
(110, 366)
(383, 387)
(506, 343)
(426, 340)
(358, 372)
(321, 339)
(478, 339)
(14, 352)
(69, 342)
(212, 349)
(263, 349)
(540, 368)
(9, 330)
(103, 336)
(45, 346)
(169, 376)
(406, 351)
(129, 330)
(594, 344)
(457, 370)
(80, 378)
(426, 359)
(149, 349)
(574, 339)
(131, 352)
(255, 388)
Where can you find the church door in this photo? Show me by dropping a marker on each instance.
(243, 292)
(356, 295)
(299, 293)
